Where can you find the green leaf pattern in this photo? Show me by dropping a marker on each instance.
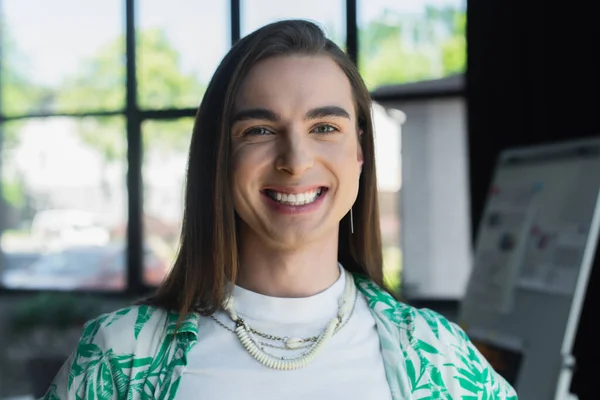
(129, 354)
(437, 359)
(144, 314)
(137, 354)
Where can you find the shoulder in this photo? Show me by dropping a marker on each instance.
(124, 326)
(135, 329)
(454, 359)
(437, 354)
(119, 347)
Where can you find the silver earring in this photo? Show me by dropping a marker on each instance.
(351, 221)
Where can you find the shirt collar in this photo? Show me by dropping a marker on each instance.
(189, 324)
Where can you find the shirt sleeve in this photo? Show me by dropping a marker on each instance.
(87, 373)
(457, 362)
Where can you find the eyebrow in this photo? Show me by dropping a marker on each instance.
(255, 113)
(327, 111)
(266, 114)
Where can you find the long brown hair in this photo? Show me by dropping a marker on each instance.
(208, 254)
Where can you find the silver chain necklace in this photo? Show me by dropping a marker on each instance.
(256, 348)
(287, 345)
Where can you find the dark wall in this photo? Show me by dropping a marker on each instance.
(533, 77)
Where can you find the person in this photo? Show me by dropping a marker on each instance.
(277, 290)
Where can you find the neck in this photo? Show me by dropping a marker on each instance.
(300, 272)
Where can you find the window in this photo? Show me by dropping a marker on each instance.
(64, 203)
(165, 152)
(179, 45)
(408, 41)
(329, 14)
(62, 56)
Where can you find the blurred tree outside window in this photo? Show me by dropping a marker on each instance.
(402, 46)
(101, 83)
(166, 86)
(44, 48)
(328, 14)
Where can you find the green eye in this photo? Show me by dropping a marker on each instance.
(258, 131)
(324, 129)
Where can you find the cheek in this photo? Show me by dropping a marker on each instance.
(247, 163)
(238, 172)
(347, 167)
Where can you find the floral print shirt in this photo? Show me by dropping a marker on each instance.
(134, 354)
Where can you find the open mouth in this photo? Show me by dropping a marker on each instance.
(296, 199)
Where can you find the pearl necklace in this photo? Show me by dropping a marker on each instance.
(244, 333)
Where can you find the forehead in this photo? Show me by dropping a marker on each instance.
(295, 83)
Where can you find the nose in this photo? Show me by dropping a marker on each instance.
(295, 154)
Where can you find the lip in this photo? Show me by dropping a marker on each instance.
(293, 189)
(293, 210)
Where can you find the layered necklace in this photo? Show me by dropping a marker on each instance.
(310, 347)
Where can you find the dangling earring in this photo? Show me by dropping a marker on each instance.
(351, 216)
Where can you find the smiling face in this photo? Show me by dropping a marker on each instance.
(295, 153)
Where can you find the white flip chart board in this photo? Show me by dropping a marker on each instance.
(533, 255)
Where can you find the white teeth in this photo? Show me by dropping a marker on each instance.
(297, 199)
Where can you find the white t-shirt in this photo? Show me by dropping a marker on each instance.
(350, 365)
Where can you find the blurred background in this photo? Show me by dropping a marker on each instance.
(97, 100)
(75, 119)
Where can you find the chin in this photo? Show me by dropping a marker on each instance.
(292, 242)
(298, 239)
